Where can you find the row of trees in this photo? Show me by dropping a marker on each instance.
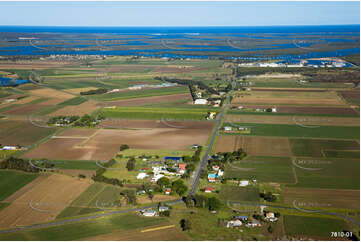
(202, 201)
(95, 91)
(18, 164)
(99, 177)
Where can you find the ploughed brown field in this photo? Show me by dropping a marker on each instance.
(149, 100)
(323, 198)
(43, 202)
(103, 144)
(263, 146)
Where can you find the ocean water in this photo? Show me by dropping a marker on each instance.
(135, 40)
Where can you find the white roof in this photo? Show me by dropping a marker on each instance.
(141, 175)
(200, 101)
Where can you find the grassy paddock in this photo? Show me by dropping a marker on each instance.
(11, 181)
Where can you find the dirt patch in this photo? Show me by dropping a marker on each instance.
(279, 75)
(104, 144)
(51, 195)
(74, 132)
(81, 109)
(262, 146)
(323, 197)
(350, 94)
(150, 100)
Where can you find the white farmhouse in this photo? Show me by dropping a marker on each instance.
(201, 101)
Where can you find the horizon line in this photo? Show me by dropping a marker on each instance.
(176, 26)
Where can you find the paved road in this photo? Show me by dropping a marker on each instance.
(204, 161)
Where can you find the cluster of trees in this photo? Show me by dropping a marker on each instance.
(95, 91)
(130, 195)
(340, 76)
(268, 196)
(177, 186)
(131, 164)
(123, 147)
(88, 121)
(202, 201)
(62, 120)
(99, 177)
(18, 164)
(185, 224)
(164, 213)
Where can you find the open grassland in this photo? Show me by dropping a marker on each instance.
(306, 98)
(287, 130)
(287, 119)
(319, 147)
(327, 173)
(11, 181)
(94, 227)
(157, 113)
(51, 195)
(235, 193)
(103, 144)
(14, 132)
(127, 94)
(253, 145)
(262, 168)
(312, 227)
(322, 198)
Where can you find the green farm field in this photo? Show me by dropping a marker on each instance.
(262, 168)
(312, 227)
(235, 193)
(320, 147)
(11, 181)
(157, 113)
(287, 130)
(327, 173)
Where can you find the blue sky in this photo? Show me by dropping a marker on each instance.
(178, 13)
